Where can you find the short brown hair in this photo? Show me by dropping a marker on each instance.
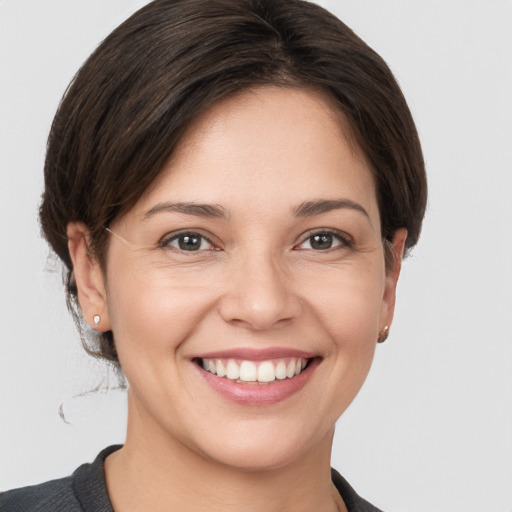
(131, 101)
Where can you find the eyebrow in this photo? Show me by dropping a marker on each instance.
(197, 209)
(306, 209)
(310, 208)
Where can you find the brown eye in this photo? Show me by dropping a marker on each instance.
(323, 241)
(189, 242)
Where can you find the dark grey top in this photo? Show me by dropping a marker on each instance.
(85, 491)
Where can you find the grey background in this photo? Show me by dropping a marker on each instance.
(432, 427)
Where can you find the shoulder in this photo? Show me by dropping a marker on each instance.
(84, 491)
(353, 501)
(52, 496)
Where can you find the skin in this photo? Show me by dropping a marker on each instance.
(259, 284)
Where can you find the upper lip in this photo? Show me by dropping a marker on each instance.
(255, 354)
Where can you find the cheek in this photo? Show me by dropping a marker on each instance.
(348, 312)
(348, 302)
(149, 328)
(152, 315)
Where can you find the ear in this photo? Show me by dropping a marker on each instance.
(88, 276)
(392, 275)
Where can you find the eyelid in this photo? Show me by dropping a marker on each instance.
(344, 237)
(164, 242)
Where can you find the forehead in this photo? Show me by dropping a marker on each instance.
(276, 145)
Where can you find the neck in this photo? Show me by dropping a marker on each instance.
(154, 471)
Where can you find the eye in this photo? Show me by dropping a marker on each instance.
(189, 242)
(323, 241)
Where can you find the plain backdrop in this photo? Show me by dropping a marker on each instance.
(432, 427)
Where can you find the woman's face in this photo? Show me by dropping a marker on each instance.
(256, 251)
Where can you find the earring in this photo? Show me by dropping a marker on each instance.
(383, 334)
(96, 319)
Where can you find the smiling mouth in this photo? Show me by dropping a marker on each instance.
(255, 372)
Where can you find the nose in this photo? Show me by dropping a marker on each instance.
(259, 294)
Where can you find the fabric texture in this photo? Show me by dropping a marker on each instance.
(85, 491)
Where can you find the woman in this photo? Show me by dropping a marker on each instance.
(232, 186)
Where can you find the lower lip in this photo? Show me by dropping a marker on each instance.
(259, 394)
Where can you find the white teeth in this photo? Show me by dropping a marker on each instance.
(290, 369)
(232, 370)
(221, 370)
(266, 372)
(280, 370)
(250, 371)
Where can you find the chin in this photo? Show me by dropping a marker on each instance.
(253, 457)
(265, 445)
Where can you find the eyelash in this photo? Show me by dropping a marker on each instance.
(166, 241)
(343, 239)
